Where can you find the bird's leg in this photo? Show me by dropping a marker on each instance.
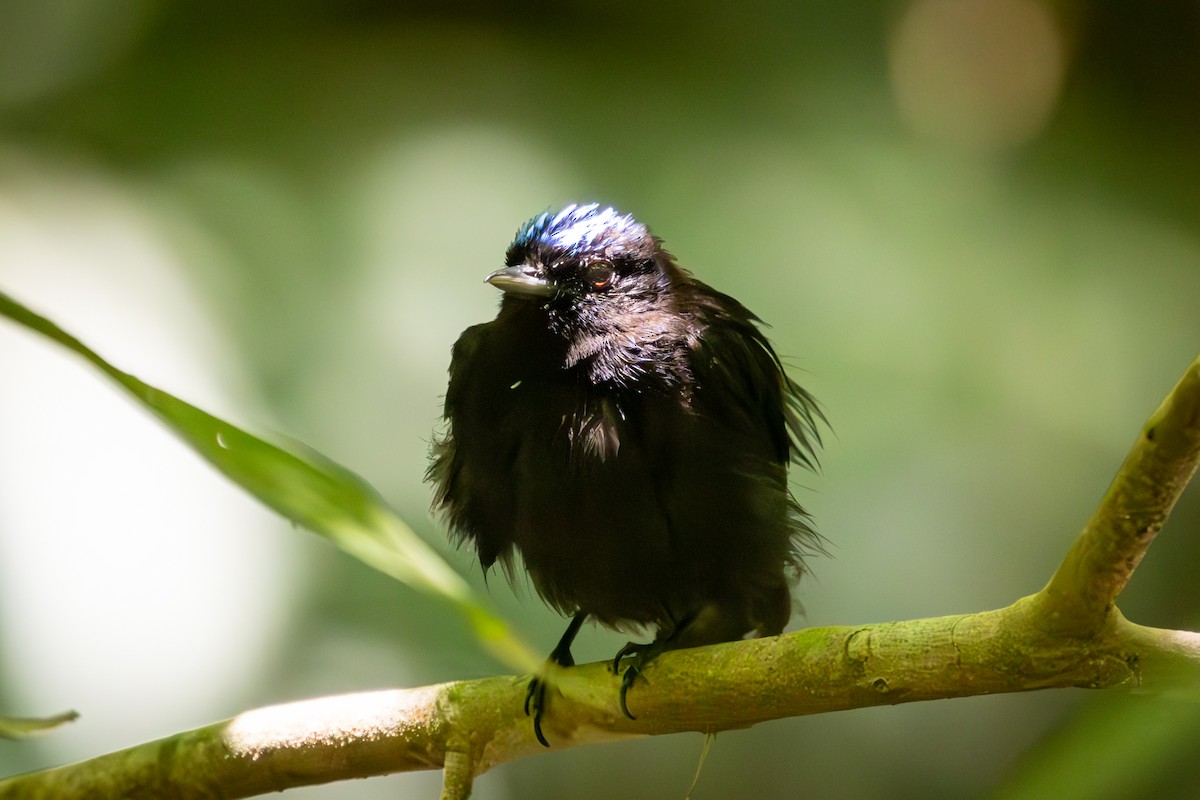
(535, 697)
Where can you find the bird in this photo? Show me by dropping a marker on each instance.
(627, 431)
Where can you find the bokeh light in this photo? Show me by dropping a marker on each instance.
(983, 74)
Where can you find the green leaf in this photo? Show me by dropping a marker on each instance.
(308, 489)
(22, 727)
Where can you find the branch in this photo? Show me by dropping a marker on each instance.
(1070, 634)
(1133, 511)
(471, 726)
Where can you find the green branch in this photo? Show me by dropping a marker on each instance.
(1133, 511)
(471, 726)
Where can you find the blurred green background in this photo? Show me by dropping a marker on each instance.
(974, 226)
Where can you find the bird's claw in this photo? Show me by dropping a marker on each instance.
(629, 648)
(560, 656)
(535, 706)
(627, 680)
(638, 655)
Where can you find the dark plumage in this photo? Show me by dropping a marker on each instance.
(627, 429)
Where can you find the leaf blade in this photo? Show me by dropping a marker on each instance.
(307, 488)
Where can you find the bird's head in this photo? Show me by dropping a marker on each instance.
(601, 279)
(580, 251)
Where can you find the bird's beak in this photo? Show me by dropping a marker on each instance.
(521, 279)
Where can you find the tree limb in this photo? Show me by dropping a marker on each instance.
(1133, 511)
(1070, 634)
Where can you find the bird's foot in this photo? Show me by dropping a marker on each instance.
(535, 695)
(636, 657)
(535, 705)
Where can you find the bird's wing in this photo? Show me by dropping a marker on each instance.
(740, 376)
(467, 467)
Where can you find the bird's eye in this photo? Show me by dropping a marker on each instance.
(600, 274)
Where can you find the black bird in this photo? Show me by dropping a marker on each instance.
(627, 429)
